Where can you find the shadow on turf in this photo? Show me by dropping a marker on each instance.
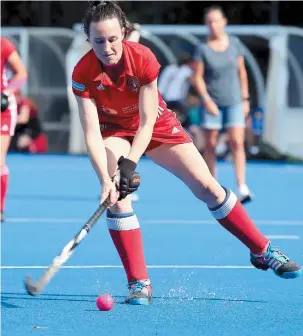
(80, 298)
(8, 305)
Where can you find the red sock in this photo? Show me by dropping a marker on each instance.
(4, 185)
(126, 235)
(233, 217)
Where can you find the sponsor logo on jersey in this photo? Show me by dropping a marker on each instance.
(106, 126)
(133, 84)
(78, 86)
(175, 130)
(130, 109)
(108, 110)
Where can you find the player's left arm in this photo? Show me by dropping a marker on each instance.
(148, 110)
(20, 73)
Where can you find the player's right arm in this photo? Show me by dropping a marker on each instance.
(20, 73)
(16, 65)
(90, 124)
(95, 146)
(10, 57)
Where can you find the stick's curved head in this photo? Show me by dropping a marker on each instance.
(30, 288)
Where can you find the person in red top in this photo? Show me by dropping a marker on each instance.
(9, 59)
(29, 136)
(123, 116)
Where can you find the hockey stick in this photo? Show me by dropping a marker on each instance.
(66, 253)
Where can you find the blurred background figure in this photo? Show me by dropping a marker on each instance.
(181, 97)
(29, 136)
(220, 78)
(10, 61)
(193, 119)
(174, 85)
(134, 34)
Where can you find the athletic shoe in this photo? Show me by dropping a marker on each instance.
(140, 292)
(244, 194)
(278, 262)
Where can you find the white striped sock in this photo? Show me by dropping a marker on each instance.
(118, 223)
(226, 207)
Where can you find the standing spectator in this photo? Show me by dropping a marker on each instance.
(193, 120)
(134, 33)
(174, 85)
(221, 80)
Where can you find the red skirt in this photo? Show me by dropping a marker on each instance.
(167, 129)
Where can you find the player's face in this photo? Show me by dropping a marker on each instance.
(106, 39)
(216, 22)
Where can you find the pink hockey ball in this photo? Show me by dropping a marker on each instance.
(105, 302)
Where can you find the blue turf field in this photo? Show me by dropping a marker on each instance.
(202, 280)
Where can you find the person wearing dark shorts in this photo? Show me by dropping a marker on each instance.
(221, 80)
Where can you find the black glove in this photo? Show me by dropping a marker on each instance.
(4, 102)
(128, 180)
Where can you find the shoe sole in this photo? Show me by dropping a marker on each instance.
(290, 275)
(285, 275)
(246, 199)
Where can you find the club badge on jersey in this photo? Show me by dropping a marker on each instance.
(133, 84)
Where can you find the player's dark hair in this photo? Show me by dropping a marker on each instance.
(104, 10)
(213, 8)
